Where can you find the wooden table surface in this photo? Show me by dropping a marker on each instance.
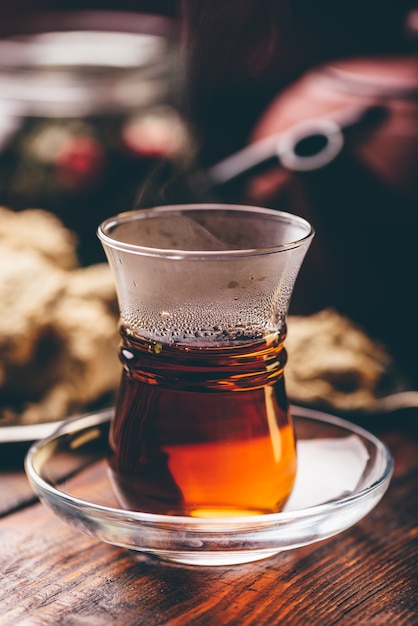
(51, 574)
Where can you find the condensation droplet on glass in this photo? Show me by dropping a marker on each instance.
(128, 354)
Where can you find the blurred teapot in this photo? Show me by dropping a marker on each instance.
(331, 90)
(340, 147)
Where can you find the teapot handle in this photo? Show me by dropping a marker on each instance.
(307, 146)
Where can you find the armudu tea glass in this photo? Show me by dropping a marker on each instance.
(202, 426)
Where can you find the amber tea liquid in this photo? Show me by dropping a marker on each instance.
(202, 431)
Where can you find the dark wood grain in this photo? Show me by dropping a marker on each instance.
(51, 574)
(15, 491)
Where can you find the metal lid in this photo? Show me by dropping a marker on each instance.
(79, 69)
(388, 77)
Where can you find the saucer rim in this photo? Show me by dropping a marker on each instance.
(89, 420)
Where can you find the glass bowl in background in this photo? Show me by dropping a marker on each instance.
(89, 104)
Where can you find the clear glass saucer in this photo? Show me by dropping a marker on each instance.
(343, 472)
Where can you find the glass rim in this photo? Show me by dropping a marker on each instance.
(104, 229)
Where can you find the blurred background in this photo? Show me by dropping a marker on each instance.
(301, 106)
